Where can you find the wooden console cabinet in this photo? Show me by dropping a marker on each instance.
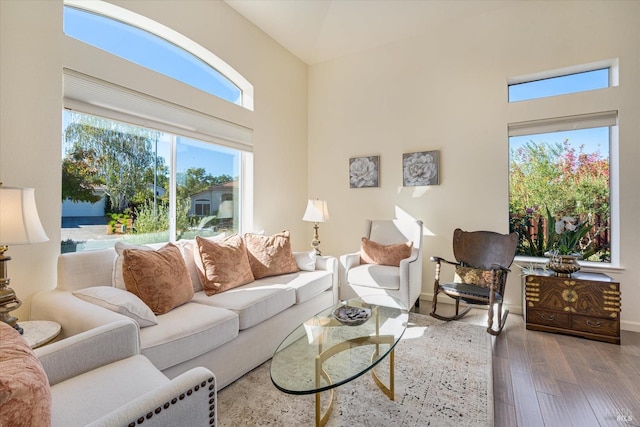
(586, 305)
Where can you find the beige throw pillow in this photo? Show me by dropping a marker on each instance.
(159, 278)
(270, 255)
(375, 253)
(224, 264)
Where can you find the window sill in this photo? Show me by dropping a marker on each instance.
(528, 262)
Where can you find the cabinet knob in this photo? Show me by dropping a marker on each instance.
(593, 324)
(546, 317)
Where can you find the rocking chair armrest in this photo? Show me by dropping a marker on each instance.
(439, 260)
(500, 267)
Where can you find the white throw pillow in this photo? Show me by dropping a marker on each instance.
(120, 301)
(306, 260)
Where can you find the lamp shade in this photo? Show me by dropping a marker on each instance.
(317, 211)
(19, 221)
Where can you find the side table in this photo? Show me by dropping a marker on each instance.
(39, 332)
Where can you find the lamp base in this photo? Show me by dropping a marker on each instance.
(315, 243)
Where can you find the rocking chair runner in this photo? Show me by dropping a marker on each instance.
(482, 263)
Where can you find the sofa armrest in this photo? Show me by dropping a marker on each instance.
(189, 400)
(330, 264)
(73, 314)
(89, 350)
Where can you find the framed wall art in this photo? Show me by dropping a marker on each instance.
(421, 168)
(364, 172)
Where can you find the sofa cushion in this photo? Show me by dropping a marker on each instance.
(159, 278)
(270, 255)
(25, 397)
(117, 279)
(187, 248)
(374, 253)
(253, 303)
(306, 260)
(306, 284)
(187, 331)
(120, 301)
(77, 401)
(375, 276)
(224, 264)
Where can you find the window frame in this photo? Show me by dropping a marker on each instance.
(583, 121)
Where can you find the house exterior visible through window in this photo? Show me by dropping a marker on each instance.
(139, 169)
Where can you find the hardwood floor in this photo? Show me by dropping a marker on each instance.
(544, 379)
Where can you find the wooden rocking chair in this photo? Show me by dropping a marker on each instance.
(482, 263)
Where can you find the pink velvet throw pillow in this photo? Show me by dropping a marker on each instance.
(270, 255)
(25, 397)
(159, 278)
(225, 264)
(375, 253)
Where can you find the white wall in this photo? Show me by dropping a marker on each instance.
(447, 90)
(33, 53)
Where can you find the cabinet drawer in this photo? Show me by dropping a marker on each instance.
(548, 318)
(595, 325)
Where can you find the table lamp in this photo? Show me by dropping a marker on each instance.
(19, 225)
(316, 212)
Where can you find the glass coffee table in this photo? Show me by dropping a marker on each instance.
(330, 349)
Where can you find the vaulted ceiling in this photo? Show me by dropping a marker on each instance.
(321, 30)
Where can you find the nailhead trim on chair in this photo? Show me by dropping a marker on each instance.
(212, 403)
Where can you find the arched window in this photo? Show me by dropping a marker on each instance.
(156, 47)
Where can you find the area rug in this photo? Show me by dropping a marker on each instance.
(443, 377)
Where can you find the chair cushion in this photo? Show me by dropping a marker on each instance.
(225, 264)
(159, 278)
(187, 332)
(469, 293)
(78, 401)
(375, 276)
(374, 253)
(475, 276)
(25, 397)
(253, 303)
(270, 255)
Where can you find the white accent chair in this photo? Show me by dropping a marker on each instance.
(99, 378)
(403, 282)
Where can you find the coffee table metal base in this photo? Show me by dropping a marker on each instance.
(323, 417)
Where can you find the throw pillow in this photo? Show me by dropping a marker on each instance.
(475, 276)
(25, 397)
(120, 301)
(159, 278)
(374, 253)
(270, 255)
(118, 279)
(225, 264)
(306, 260)
(197, 259)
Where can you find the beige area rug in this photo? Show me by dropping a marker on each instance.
(443, 377)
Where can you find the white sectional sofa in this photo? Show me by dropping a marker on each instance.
(229, 333)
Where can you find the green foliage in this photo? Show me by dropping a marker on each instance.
(550, 181)
(116, 155)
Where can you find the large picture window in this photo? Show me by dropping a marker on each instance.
(118, 183)
(560, 186)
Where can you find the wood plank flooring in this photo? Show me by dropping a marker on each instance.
(544, 379)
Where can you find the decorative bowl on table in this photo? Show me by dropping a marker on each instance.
(352, 316)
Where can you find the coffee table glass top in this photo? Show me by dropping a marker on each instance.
(342, 351)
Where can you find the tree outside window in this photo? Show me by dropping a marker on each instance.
(559, 193)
